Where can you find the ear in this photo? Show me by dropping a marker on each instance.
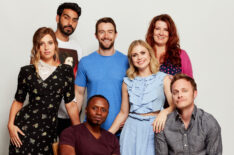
(195, 94)
(116, 34)
(57, 18)
(95, 35)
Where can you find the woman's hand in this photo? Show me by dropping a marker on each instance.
(13, 131)
(160, 121)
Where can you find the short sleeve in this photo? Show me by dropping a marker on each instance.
(69, 93)
(116, 150)
(81, 79)
(67, 137)
(186, 64)
(22, 90)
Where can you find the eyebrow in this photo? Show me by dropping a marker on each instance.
(70, 16)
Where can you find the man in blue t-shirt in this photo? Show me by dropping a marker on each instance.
(102, 71)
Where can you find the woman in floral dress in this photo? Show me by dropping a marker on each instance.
(32, 127)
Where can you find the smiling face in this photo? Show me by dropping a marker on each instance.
(47, 48)
(97, 111)
(106, 35)
(183, 94)
(67, 22)
(140, 57)
(161, 33)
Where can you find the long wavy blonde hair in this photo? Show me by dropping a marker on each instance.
(132, 71)
(35, 52)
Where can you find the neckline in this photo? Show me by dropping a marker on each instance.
(39, 77)
(106, 56)
(92, 134)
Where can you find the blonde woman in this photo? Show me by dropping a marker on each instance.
(143, 97)
(32, 128)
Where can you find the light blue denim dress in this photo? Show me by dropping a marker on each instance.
(145, 95)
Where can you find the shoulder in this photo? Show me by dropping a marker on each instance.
(109, 136)
(65, 67)
(121, 55)
(183, 54)
(89, 57)
(170, 119)
(72, 130)
(28, 69)
(207, 119)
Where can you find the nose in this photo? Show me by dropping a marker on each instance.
(180, 94)
(45, 46)
(98, 112)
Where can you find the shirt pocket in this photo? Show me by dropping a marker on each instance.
(197, 143)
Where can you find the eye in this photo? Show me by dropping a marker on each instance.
(51, 42)
(174, 92)
(101, 32)
(41, 43)
(103, 110)
(143, 52)
(134, 55)
(75, 19)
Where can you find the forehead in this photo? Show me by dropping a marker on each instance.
(46, 37)
(105, 26)
(98, 101)
(138, 48)
(70, 12)
(181, 84)
(160, 23)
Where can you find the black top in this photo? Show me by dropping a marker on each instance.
(39, 117)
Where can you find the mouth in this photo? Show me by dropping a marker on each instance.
(47, 52)
(140, 62)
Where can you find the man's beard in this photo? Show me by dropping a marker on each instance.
(104, 47)
(62, 29)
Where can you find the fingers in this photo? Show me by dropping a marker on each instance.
(21, 132)
(15, 140)
(158, 125)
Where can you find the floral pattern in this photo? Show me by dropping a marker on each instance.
(38, 118)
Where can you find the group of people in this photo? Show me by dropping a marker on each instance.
(145, 99)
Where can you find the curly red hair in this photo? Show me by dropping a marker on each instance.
(172, 47)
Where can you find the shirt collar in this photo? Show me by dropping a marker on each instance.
(177, 114)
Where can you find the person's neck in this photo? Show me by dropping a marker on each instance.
(144, 72)
(104, 52)
(61, 36)
(186, 114)
(160, 51)
(50, 62)
(94, 130)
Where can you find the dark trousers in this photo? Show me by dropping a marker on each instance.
(62, 124)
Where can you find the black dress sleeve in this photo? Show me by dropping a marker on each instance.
(22, 90)
(69, 93)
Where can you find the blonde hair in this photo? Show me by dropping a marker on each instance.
(154, 65)
(35, 52)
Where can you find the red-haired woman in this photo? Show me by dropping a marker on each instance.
(163, 38)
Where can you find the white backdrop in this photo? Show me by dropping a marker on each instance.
(206, 30)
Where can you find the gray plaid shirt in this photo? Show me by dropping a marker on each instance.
(202, 137)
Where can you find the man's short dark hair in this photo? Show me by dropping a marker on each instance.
(105, 20)
(185, 77)
(100, 96)
(73, 6)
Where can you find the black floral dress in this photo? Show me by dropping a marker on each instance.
(38, 118)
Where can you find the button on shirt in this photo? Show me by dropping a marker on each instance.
(202, 137)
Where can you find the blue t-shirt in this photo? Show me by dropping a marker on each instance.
(103, 75)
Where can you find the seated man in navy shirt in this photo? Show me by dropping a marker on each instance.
(89, 138)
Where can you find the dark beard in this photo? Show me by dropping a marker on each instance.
(106, 48)
(61, 28)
